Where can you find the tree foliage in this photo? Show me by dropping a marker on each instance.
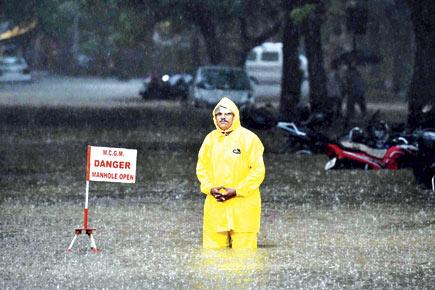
(54, 16)
(230, 26)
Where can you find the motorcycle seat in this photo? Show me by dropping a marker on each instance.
(374, 152)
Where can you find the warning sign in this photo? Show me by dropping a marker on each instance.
(111, 164)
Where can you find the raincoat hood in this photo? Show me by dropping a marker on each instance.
(227, 103)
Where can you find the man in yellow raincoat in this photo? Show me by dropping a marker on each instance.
(230, 169)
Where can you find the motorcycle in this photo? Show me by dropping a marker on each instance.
(166, 87)
(349, 152)
(303, 134)
(375, 148)
(354, 155)
(302, 140)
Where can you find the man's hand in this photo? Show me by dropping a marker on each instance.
(221, 197)
(216, 193)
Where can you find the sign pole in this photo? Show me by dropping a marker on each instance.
(85, 228)
(85, 215)
(88, 166)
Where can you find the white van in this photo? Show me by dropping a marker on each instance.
(264, 63)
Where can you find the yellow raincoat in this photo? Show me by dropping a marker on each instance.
(235, 161)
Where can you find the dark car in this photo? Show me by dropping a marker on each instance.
(166, 87)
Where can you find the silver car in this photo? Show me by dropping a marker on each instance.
(211, 83)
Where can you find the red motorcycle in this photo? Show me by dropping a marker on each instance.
(354, 151)
(353, 155)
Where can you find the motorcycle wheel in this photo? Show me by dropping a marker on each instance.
(425, 173)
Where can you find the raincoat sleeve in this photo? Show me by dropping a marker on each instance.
(203, 166)
(256, 170)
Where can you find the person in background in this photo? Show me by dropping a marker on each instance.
(333, 88)
(230, 169)
(354, 90)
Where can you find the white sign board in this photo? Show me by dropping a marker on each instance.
(111, 164)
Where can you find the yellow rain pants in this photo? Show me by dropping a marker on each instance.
(218, 240)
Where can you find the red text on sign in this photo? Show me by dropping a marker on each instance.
(126, 177)
(110, 175)
(112, 164)
(113, 152)
(105, 175)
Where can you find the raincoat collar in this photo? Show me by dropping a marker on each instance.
(227, 103)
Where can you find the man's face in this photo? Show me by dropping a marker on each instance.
(224, 120)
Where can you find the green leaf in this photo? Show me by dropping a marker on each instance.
(298, 15)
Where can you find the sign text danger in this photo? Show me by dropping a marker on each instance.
(112, 164)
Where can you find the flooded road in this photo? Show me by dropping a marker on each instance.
(89, 91)
(70, 91)
(147, 245)
(320, 229)
(51, 90)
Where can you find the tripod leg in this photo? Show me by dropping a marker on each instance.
(72, 243)
(93, 245)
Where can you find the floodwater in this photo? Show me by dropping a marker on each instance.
(320, 230)
(155, 243)
(51, 90)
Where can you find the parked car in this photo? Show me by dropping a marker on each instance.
(14, 69)
(211, 83)
(264, 63)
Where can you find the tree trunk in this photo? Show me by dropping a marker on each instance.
(373, 44)
(196, 56)
(422, 88)
(291, 74)
(204, 21)
(401, 41)
(208, 31)
(316, 71)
